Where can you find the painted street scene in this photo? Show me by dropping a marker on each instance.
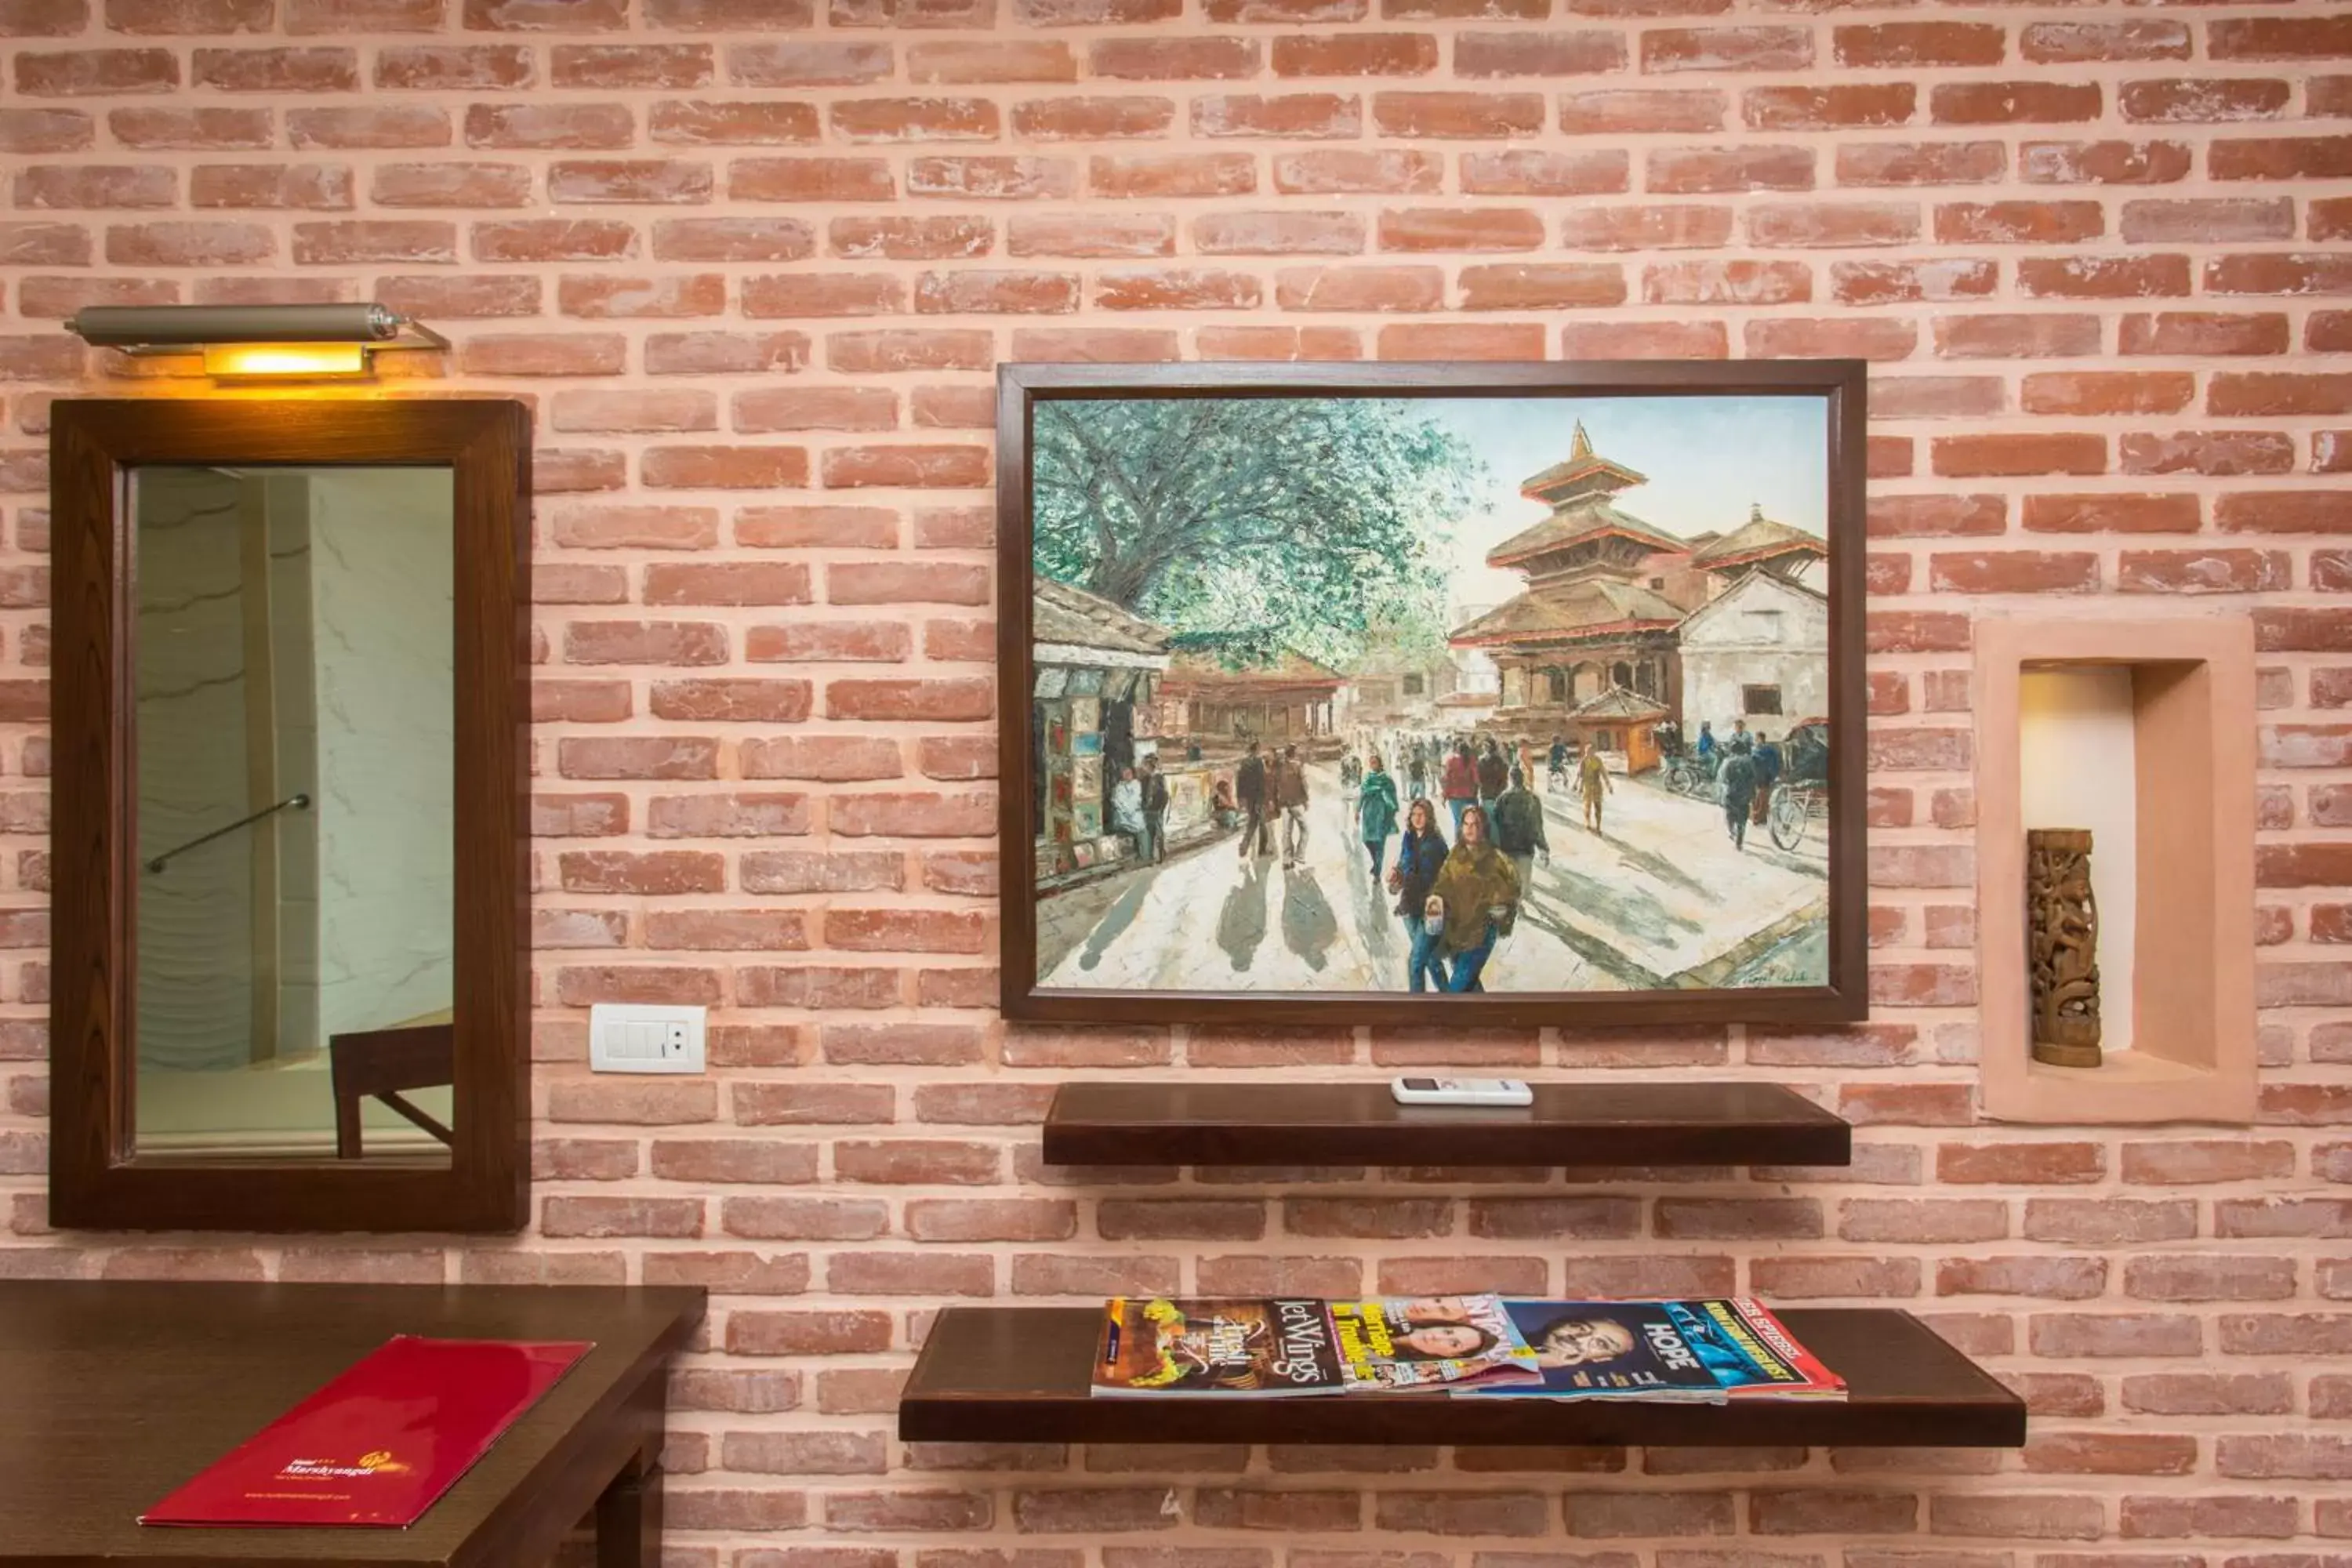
(1350, 694)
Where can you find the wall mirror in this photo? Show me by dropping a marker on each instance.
(289, 990)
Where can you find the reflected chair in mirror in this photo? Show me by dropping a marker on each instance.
(378, 1064)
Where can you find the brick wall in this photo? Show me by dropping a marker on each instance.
(753, 265)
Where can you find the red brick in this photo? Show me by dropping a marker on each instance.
(2205, 451)
(1360, 54)
(1921, 162)
(1580, 52)
(704, 122)
(1622, 110)
(911, 238)
(101, 186)
(2113, 163)
(2016, 336)
(1359, 287)
(2279, 37)
(1538, 286)
(1629, 1515)
(1297, 116)
(2284, 512)
(1173, 289)
(2202, 571)
(1726, 48)
(1171, 59)
(637, 180)
(2203, 332)
(77, 72)
(2012, 103)
(1544, 174)
(549, 125)
(543, 353)
(1096, 118)
(732, 702)
(1894, 282)
(1727, 283)
(2280, 158)
(1839, 225)
(1913, 44)
(728, 16)
(1486, 115)
(554, 239)
(1629, 340)
(25, 131)
(724, 467)
(992, 61)
(1678, 227)
(2287, 273)
(2251, 392)
(1798, 337)
(2111, 1454)
(2071, 42)
(1698, 171)
(449, 67)
(2018, 455)
(2208, 1394)
(2170, 1517)
(2107, 392)
(1845, 106)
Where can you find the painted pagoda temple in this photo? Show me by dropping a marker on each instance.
(1596, 625)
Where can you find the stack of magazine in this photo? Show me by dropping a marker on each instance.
(1707, 1352)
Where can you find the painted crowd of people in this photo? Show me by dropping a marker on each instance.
(1746, 767)
(1463, 815)
(1469, 829)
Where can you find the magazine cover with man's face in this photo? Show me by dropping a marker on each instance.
(1611, 1347)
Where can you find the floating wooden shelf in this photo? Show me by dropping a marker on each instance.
(1019, 1375)
(1360, 1124)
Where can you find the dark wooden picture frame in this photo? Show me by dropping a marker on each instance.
(1840, 383)
(96, 1177)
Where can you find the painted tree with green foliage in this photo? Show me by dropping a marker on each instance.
(1311, 522)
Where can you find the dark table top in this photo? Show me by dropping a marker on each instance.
(112, 1394)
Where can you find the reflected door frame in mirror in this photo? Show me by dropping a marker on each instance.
(98, 1180)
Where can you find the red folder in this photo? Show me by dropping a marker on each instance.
(380, 1444)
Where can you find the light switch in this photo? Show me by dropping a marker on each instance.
(636, 1036)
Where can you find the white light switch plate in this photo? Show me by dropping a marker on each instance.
(632, 1036)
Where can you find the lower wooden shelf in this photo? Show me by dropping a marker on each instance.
(1019, 1375)
(1599, 1123)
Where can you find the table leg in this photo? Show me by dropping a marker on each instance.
(629, 1518)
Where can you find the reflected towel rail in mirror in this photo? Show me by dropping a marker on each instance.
(297, 802)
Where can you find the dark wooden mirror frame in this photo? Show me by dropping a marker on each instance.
(97, 1178)
(1840, 383)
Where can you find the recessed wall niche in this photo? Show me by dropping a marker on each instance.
(2142, 731)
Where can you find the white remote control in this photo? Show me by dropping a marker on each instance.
(1461, 1091)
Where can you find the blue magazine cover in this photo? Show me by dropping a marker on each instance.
(1694, 1351)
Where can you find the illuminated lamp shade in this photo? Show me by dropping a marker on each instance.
(257, 340)
(286, 359)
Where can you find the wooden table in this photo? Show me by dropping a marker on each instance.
(112, 1394)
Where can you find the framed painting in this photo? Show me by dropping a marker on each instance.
(1433, 693)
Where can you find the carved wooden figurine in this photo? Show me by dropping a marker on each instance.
(2063, 924)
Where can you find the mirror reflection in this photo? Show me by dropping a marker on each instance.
(293, 685)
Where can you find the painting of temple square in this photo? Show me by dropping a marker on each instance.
(1345, 693)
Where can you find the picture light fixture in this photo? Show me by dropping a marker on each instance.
(257, 340)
